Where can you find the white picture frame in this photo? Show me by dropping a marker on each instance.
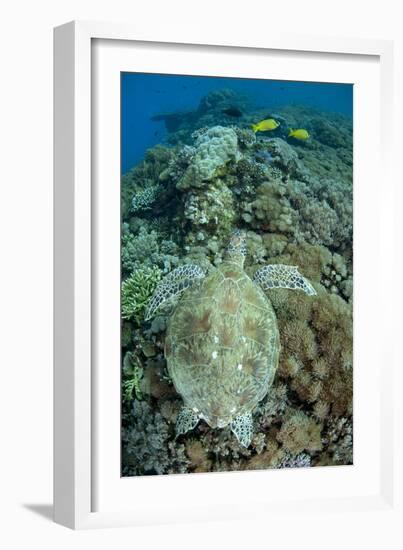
(85, 494)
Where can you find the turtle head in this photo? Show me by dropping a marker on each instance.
(236, 250)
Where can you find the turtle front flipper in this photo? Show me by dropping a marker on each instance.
(242, 426)
(186, 421)
(172, 286)
(282, 276)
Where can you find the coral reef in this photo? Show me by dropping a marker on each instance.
(144, 175)
(131, 380)
(215, 147)
(209, 212)
(210, 112)
(145, 198)
(146, 249)
(294, 200)
(300, 433)
(302, 460)
(147, 445)
(137, 290)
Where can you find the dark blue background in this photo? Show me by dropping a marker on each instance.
(144, 95)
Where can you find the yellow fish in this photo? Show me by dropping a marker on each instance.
(265, 125)
(300, 133)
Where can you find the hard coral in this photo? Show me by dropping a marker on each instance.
(147, 447)
(295, 202)
(338, 439)
(146, 249)
(210, 211)
(137, 290)
(285, 157)
(302, 460)
(311, 260)
(199, 461)
(144, 198)
(271, 209)
(214, 148)
(270, 458)
(144, 175)
(300, 433)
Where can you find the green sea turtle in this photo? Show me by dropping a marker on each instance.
(222, 343)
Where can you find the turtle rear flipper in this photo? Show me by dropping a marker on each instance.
(172, 286)
(282, 276)
(186, 421)
(242, 426)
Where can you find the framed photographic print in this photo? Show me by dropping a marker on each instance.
(218, 292)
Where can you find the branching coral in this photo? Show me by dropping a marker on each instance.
(250, 173)
(199, 461)
(246, 137)
(256, 249)
(316, 354)
(273, 406)
(144, 175)
(178, 164)
(136, 292)
(325, 208)
(313, 210)
(144, 198)
(312, 261)
(271, 457)
(338, 442)
(147, 444)
(302, 460)
(146, 249)
(136, 249)
(155, 382)
(132, 374)
(300, 433)
(274, 243)
(316, 337)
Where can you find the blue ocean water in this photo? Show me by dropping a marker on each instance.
(145, 95)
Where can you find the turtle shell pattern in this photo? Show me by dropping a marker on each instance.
(222, 345)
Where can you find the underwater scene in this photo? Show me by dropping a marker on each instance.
(237, 274)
